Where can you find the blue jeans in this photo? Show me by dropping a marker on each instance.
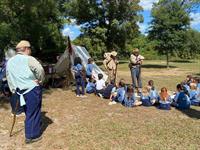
(136, 76)
(80, 83)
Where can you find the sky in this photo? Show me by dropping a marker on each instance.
(74, 31)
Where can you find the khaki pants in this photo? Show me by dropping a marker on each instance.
(111, 75)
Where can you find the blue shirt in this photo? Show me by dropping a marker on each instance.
(154, 94)
(120, 94)
(89, 69)
(77, 69)
(129, 101)
(183, 101)
(90, 86)
(193, 95)
(146, 100)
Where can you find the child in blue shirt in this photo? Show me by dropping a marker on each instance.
(130, 100)
(89, 68)
(181, 99)
(120, 92)
(153, 92)
(90, 87)
(193, 94)
(164, 99)
(78, 70)
(146, 97)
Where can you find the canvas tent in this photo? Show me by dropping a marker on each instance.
(66, 61)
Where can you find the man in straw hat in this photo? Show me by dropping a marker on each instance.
(25, 75)
(110, 63)
(135, 67)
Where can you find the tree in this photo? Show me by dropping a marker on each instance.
(39, 21)
(168, 26)
(106, 22)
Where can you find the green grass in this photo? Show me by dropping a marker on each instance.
(73, 123)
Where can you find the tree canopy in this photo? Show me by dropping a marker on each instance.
(109, 24)
(39, 21)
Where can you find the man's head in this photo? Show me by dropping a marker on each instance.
(136, 51)
(24, 47)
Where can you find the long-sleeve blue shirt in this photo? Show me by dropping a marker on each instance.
(120, 94)
(129, 101)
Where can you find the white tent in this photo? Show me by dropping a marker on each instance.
(66, 61)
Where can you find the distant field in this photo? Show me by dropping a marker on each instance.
(91, 124)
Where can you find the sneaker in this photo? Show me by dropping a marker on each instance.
(77, 95)
(112, 103)
(29, 141)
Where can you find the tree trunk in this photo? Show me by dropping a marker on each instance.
(167, 59)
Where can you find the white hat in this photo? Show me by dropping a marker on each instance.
(22, 44)
(114, 53)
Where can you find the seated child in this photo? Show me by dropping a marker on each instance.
(100, 85)
(120, 92)
(108, 90)
(181, 99)
(78, 70)
(193, 94)
(153, 91)
(146, 98)
(164, 99)
(130, 100)
(89, 68)
(90, 87)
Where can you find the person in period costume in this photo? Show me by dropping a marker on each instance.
(25, 75)
(110, 63)
(135, 66)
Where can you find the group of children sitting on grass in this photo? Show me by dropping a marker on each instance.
(188, 92)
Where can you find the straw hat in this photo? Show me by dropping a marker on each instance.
(114, 53)
(22, 44)
(135, 50)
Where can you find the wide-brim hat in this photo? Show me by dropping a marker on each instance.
(135, 50)
(22, 44)
(114, 53)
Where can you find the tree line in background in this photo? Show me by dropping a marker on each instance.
(105, 25)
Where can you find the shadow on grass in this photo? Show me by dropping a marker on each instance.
(4, 102)
(156, 66)
(46, 121)
(192, 113)
(198, 74)
(182, 61)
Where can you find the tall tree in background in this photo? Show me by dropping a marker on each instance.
(105, 23)
(39, 21)
(168, 26)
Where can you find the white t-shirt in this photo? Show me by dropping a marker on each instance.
(100, 84)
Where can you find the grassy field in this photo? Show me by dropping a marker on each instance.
(83, 124)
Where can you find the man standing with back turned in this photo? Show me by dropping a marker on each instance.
(25, 75)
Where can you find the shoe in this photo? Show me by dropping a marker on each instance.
(77, 95)
(29, 141)
(112, 103)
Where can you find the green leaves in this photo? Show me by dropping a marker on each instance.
(109, 22)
